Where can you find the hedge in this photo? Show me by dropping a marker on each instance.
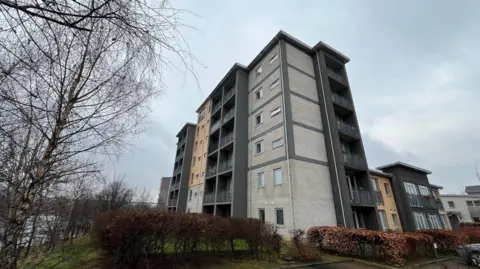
(392, 248)
(134, 239)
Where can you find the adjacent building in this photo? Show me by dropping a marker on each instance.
(461, 208)
(386, 205)
(441, 209)
(417, 206)
(177, 192)
(163, 193)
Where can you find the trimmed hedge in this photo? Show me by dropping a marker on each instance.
(134, 239)
(392, 248)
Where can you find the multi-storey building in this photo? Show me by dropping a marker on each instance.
(418, 207)
(163, 193)
(441, 209)
(461, 208)
(199, 159)
(177, 192)
(284, 143)
(386, 205)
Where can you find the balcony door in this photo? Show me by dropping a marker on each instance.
(358, 219)
(352, 184)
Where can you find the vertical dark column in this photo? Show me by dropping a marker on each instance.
(290, 141)
(405, 212)
(240, 147)
(187, 158)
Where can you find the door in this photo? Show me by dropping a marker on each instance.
(352, 185)
(358, 219)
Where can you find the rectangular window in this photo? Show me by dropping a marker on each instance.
(476, 203)
(193, 161)
(258, 70)
(424, 190)
(258, 119)
(261, 215)
(273, 59)
(469, 203)
(277, 176)
(277, 143)
(259, 147)
(383, 219)
(275, 84)
(261, 180)
(275, 111)
(374, 182)
(434, 221)
(395, 221)
(279, 213)
(387, 188)
(190, 196)
(451, 204)
(410, 188)
(420, 221)
(259, 93)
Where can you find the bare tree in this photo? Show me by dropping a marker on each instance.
(75, 81)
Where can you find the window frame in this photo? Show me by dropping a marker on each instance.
(273, 58)
(476, 203)
(260, 217)
(259, 116)
(424, 190)
(261, 175)
(383, 219)
(450, 203)
(471, 203)
(262, 147)
(278, 140)
(277, 210)
(258, 70)
(421, 222)
(395, 221)
(275, 84)
(386, 186)
(259, 92)
(278, 169)
(276, 111)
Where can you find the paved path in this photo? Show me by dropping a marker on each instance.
(342, 265)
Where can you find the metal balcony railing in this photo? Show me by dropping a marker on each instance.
(225, 165)
(181, 140)
(338, 77)
(224, 196)
(348, 129)
(354, 160)
(228, 115)
(211, 171)
(175, 186)
(209, 198)
(342, 101)
(426, 201)
(228, 94)
(378, 198)
(172, 202)
(215, 127)
(362, 197)
(179, 156)
(177, 170)
(216, 106)
(226, 139)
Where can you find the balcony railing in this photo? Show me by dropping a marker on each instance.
(226, 139)
(342, 101)
(416, 200)
(211, 171)
(172, 202)
(228, 94)
(362, 197)
(215, 127)
(175, 186)
(209, 198)
(336, 76)
(224, 196)
(228, 115)
(354, 160)
(177, 170)
(181, 140)
(225, 165)
(216, 106)
(179, 156)
(378, 198)
(347, 129)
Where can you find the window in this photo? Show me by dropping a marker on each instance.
(190, 194)
(259, 147)
(203, 126)
(195, 194)
(374, 183)
(203, 174)
(275, 111)
(451, 204)
(277, 176)
(277, 143)
(420, 221)
(261, 180)
(193, 176)
(199, 158)
(383, 219)
(424, 190)
(469, 203)
(258, 71)
(259, 93)
(193, 161)
(442, 220)
(273, 59)
(259, 119)
(387, 188)
(201, 142)
(476, 203)
(198, 175)
(434, 221)
(204, 155)
(279, 213)
(395, 221)
(410, 188)
(196, 144)
(261, 215)
(275, 84)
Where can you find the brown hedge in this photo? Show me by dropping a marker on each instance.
(392, 248)
(134, 239)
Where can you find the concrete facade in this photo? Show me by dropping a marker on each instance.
(458, 208)
(163, 192)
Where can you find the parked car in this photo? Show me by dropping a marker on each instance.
(470, 253)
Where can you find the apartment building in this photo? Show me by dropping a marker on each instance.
(284, 143)
(199, 159)
(461, 208)
(417, 206)
(163, 193)
(386, 205)
(177, 192)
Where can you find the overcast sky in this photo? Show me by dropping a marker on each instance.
(414, 73)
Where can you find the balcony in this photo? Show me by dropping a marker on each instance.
(177, 170)
(214, 127)
(181, 140)
(355, 161)
(224, 196)
(225, 166)
(216, 107)
(213, 147)
(228, 94)
(175, 186)
(228, 115)
(378, 197)
(416, 200)
(179, 156)
(342, 101)
(363, 197)
(474, 211)
(336, 76)
(172, 202)
(209, 198)
(211, 171)
(348, 129)
(226, 139)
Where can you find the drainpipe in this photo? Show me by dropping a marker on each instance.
(331, 141)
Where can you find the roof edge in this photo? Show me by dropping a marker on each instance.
(404, 165)
(185, 127)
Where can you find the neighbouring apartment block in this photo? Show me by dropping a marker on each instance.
(386, 205)
(163, 193)
(462, 207)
